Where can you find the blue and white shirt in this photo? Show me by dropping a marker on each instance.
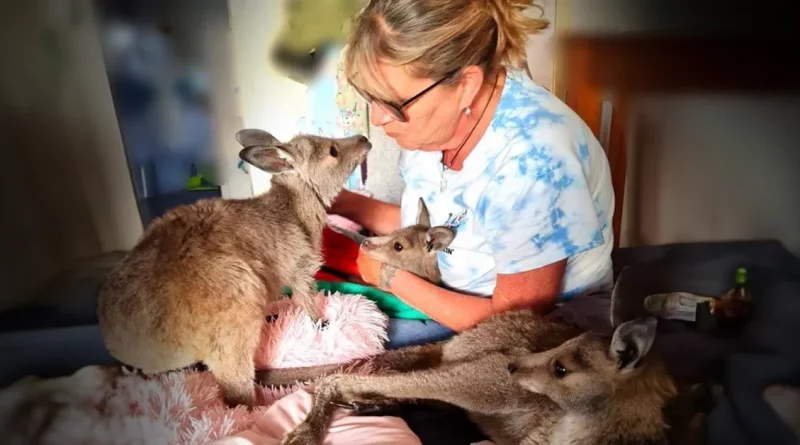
(535, 190)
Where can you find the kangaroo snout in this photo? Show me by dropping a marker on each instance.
(362, 142)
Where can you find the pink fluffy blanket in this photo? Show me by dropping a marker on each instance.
(103, 405)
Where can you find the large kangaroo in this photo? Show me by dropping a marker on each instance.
(195, 287)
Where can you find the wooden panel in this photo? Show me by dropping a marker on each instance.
(582, 96)
(671, 64)
(585, 98)
(617, 152)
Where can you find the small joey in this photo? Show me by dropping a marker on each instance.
(413, 248)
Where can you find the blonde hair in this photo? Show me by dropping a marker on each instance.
(434, 38)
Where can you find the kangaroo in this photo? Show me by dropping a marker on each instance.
(523, 378)
(518, 386)
(598, 391)
(413, 248)
(195, 286)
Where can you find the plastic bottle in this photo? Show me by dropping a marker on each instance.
(675, 305)
(730, 309)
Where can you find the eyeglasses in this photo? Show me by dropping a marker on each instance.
(396, 110)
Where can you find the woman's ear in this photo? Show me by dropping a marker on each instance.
(469, 85)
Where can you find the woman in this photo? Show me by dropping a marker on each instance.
(517, 173)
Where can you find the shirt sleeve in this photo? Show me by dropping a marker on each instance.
(537, 209)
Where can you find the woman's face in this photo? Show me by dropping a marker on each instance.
(431, 119)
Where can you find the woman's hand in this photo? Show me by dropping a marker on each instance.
(376, 273)
(370, 269)
(376, 216)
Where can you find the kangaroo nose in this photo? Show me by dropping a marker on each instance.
(512, 368)
(363, 140)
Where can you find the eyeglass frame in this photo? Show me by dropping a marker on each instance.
(396, 110)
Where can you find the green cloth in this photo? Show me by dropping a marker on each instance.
(386, 302)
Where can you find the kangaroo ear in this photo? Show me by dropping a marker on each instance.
(631, 342)
(253, 136)
(438, 238)
(275, 159)
(423, 217)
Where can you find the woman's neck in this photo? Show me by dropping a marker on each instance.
(454, 156)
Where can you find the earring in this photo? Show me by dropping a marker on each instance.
(468, 112)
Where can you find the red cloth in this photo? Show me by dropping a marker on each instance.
(339, 253)
(325, 276)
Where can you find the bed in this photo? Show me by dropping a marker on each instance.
(56, 341)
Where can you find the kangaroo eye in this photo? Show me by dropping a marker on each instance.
(398, 247)
(559, 371)
(334, 151)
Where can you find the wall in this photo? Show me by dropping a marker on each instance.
(713, 168)
(64, 186)
(540, 51)
(219, 54)
(702, 167)
(267, 99)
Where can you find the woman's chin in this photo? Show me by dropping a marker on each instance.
(411, 145)
(405, 145)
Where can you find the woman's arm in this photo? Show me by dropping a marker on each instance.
(537, 289)
(377, 216)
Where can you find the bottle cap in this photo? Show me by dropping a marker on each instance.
(741, 275)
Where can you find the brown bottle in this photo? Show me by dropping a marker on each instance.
(729, 313)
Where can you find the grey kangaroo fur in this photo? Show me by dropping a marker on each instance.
(414, 248)
(522, 377)
(196, 285)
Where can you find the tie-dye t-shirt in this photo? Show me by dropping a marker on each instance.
(535, 190)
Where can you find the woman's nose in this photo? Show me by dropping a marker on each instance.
(378, 117)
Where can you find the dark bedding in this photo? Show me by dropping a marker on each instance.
(766, 354)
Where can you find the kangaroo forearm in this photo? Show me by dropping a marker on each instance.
(291, 376)
(375, 215)
(405, 359)
(480, 386)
